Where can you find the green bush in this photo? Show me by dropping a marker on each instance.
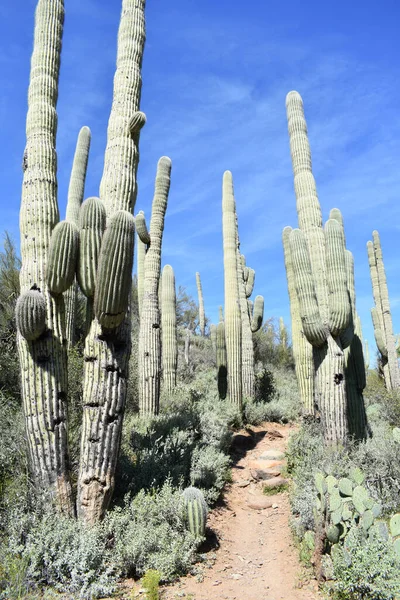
(367, 568)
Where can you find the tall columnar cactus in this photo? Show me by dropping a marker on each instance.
(141, 254)
(283, 341)
(233, 323)
(107, 352)
(168, 329)
(319, 266)
(213, 336)
(149, 339)
(42, 352)
(76, 191)
(202, 319)
(221, 361)
(221, 314)
(302, 349)
(382, 318)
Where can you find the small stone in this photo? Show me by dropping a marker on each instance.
(274, 482)
(272, 455)
(217, 582)
(237, 575)
(259, 504)
(275, 506)
(242, 484)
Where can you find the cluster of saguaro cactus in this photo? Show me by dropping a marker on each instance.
(381, 315)
(54, 253)
(322, 279)
(149, 339)
(168, 328)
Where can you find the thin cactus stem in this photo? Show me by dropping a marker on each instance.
(168, 329)
(202, 319)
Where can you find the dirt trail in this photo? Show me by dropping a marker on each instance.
(254, 555)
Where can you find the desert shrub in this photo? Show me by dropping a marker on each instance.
(368, 568)
(209, 471)
(150, 532)
(277, 397)
(44, 548)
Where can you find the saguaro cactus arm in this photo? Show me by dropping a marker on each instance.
(258, 314)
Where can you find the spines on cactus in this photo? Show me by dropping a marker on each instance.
(92, 221)
(62, 257)
(30, 314)
(196, 511)
(114, 273)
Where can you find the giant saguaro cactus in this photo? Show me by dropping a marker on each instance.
(221, 360)
(381, 315)
(168, 329)
(76, 191)
(319, 266)
(149, 339)
(233, 323)
(302, 349)
(202, 319)
(107, 351)
(141, 254)
(42, 346)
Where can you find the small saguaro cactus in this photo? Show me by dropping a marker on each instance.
(221, 361)
(168, 329)
(197, 511)
(213, 336)
(76, 191)
(233, 324)
(381, 315)
(319, 266)
(149, 339)
(302, 349)
(202, 319)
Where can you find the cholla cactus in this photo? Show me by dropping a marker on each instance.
(381, 315)
(233, 326)
(76, 191)
(169, 336)
(321, 281)
(149, 339)
(202, 319)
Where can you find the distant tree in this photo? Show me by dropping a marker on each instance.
(269, 347)
(187, 311)
(10, 265)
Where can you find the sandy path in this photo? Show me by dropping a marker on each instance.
(254, 555)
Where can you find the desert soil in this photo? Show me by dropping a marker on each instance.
(249, 553)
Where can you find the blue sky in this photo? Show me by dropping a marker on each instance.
(215, 77)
